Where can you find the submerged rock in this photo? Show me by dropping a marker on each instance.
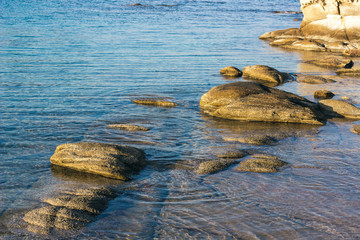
(128, 127)
(323, 94)
(214, 166)
(231, 71)
(232, 154)
(69, 210)
(356, 129)
(108, 160)
(155, 102)
(265, 73)
(311, 79)
(340, 108)
(250, 101)
(261, 164)
(258, 140)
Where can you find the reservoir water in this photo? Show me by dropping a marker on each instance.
(68, 69)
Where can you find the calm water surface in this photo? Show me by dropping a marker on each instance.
(70, 68)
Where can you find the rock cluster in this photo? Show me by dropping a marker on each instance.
(108, 160)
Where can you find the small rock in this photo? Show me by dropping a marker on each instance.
(334, 107)
(265, 73)
(311, 79)
(214, 166)
(261, 164)
(155, 102)
(356, 129)
(128, 127)
(108, 160)
(323, 94)
(332, 61)
(231, 72)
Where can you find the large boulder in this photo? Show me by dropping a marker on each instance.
(250, 101)
(108, 160)
(328, 25)
(331, 19)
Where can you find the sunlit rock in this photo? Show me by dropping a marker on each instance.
(265, 73)
(323, 94)
(250, 101)
(230, 71)
(332, 62)
(338, 107)
(108, 160)
(312, 79)
(328, 25)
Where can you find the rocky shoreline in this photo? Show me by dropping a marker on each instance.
(253, 99)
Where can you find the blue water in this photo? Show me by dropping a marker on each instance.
(70, 68)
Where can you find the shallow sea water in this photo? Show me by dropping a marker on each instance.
(70, 68)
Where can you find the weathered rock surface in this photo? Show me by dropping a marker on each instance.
(328, 25)
(230, 71)
(261, 164)
(69, 210)
(129, 127)
(340, 108)
(312, 79)
(356, 129)
(108, 160)
(265, 73)
(323, 94)
(250, 101)
(332, 62)
(155, 102)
